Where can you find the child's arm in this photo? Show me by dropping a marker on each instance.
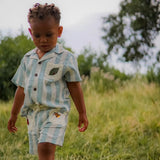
(78, 99)
(17, 104)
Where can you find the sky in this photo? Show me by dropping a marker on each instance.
(81, 19)
(13, 13)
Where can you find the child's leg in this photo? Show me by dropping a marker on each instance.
(46, 151)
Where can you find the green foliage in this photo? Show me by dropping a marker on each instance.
(153, 76)
(133, 30)
(123, 125)
(11, 53)
(85, 61)
(120, 75)
(89, 59)
(102, 82)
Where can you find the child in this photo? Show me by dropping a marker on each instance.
(44, 79)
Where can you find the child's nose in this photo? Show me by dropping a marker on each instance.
(43, 39)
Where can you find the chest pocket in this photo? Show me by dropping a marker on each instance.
(53, 72)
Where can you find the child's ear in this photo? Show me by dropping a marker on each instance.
(30, 31)
(60, 30)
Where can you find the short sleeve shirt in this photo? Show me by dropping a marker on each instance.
(44, 80)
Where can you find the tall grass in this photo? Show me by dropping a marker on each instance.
(124, 124)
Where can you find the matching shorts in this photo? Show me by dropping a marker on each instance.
(45, 125)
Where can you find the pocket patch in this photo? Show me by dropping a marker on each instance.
(53, 71)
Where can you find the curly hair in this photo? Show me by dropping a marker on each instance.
(41, 11)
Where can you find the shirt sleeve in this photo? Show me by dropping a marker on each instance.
(71, 71)
(19, 77)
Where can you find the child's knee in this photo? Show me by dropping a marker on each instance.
(46, 150)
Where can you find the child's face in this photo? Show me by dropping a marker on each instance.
(45, 33)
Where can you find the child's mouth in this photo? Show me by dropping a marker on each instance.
(44, 46)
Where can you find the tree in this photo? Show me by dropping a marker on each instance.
(86, 61)
(133, 30)
(90, 59)
(11, 53)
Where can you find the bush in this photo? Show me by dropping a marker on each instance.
(85, 61)
(153, 76)
(100, 81)
(11, 53)
(90, 58)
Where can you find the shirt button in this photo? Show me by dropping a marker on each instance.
(36, 74)
(34, 89)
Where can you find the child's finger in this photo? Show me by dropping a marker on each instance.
(79, 124)
(82, 129)
(14, 129)
(11, 127)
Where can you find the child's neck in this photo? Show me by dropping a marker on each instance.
(40, 54)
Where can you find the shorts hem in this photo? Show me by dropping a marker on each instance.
(57, 144)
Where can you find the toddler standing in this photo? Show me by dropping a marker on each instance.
(45, 78)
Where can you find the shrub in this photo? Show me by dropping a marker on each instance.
(11, 53)
(153, 76)
(100, 81)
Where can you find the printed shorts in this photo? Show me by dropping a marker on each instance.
(45, 125)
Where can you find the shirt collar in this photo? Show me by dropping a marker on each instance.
(58, 49)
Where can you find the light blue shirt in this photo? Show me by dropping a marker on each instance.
(44, 80)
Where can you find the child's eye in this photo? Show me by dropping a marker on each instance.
(49, 35)
(36, 35)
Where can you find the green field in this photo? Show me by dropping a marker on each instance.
(123, 125)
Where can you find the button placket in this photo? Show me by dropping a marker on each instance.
(35, 85)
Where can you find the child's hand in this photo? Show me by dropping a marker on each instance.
(11, 124)
(82, 120)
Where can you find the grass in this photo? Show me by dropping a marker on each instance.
(124, 125)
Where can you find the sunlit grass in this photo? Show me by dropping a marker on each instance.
(123, 125)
